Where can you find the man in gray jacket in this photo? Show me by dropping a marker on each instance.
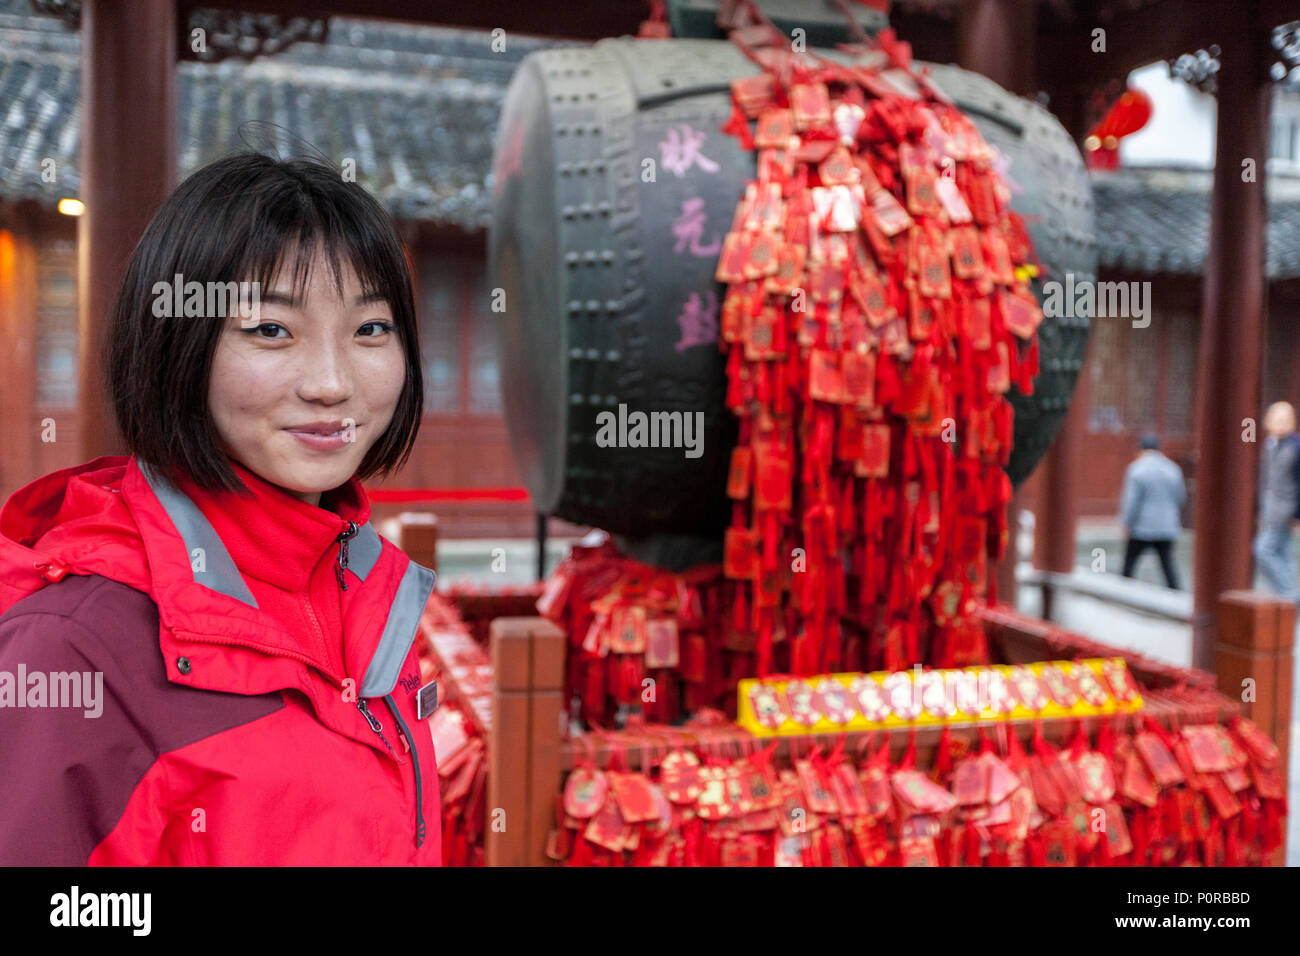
(1279, 500)
(1150, 508)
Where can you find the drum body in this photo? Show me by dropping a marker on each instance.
(613, 189)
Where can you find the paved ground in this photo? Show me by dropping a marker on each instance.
(494, 563)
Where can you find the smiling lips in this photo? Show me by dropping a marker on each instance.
(322, 435)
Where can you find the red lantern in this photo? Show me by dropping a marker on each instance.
(1128, 115)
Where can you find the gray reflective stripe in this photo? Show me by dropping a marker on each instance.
(219, 572)
(399, 632)
(364, 550)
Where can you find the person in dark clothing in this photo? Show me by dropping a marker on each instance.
(1154, 493)
(1279, 501)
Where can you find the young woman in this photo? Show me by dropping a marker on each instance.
(206, 650)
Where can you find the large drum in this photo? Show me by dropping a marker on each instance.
(613, 188)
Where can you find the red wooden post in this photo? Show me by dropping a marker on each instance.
(128, 166)
(1232, 322)
(1256, 644)
(18, 278)
(418, 537)
(524, 743)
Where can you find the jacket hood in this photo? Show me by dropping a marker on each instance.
(70, 521)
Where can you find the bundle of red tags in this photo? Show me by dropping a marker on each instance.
(1204, 794)
(878, 310)
(447, 650)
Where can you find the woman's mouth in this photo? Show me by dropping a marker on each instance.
(321, 438)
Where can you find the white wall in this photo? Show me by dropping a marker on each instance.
(1181, 129)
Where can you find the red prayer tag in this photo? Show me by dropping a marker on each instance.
(1020, 314)
(1096, 779)
(918, 851)
(837, 169)
(868, 291)
(888, 213)
(740, 553)
(738, 475)
(874, 462)
(979, 324)
(754, 93)
(661, 642)
(772, 477)
(811, 105)
(636, 801)
(765, 335)
(628, 634)
(967, 256)
(999, 258)
(584, 792)
(922, 200)
(789, 269)
(732, 259)
(1263, 751)
(774, 129)
(859, 368)
(761, 255)
(825, 382)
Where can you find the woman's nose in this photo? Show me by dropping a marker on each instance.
(326, 376)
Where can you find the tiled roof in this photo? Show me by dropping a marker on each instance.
(415, 107)
(1157, 219)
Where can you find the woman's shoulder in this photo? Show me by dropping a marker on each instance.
(82, 615)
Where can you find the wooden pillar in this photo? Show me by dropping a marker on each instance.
(1056, 522)
(524, 742)
(1232, 322)
(997, 38)
(18, 278)
(128, 166)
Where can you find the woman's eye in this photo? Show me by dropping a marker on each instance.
(260, 330)
(377, 328)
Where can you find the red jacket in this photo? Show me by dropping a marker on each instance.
(253, 709)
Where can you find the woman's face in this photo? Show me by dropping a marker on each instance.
(301, 397)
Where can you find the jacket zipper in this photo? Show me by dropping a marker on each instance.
(375, 725)
(342, 540)
(415, 762)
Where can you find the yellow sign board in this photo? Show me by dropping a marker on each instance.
(831, 703)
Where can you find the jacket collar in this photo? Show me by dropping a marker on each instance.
(280, 539)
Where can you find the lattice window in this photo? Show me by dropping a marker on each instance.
(56, 324)
(1108, 375)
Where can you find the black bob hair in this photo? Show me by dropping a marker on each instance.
(232, 221)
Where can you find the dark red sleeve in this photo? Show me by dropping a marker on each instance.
(65, 776)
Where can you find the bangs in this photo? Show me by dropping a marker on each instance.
(284, 235)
